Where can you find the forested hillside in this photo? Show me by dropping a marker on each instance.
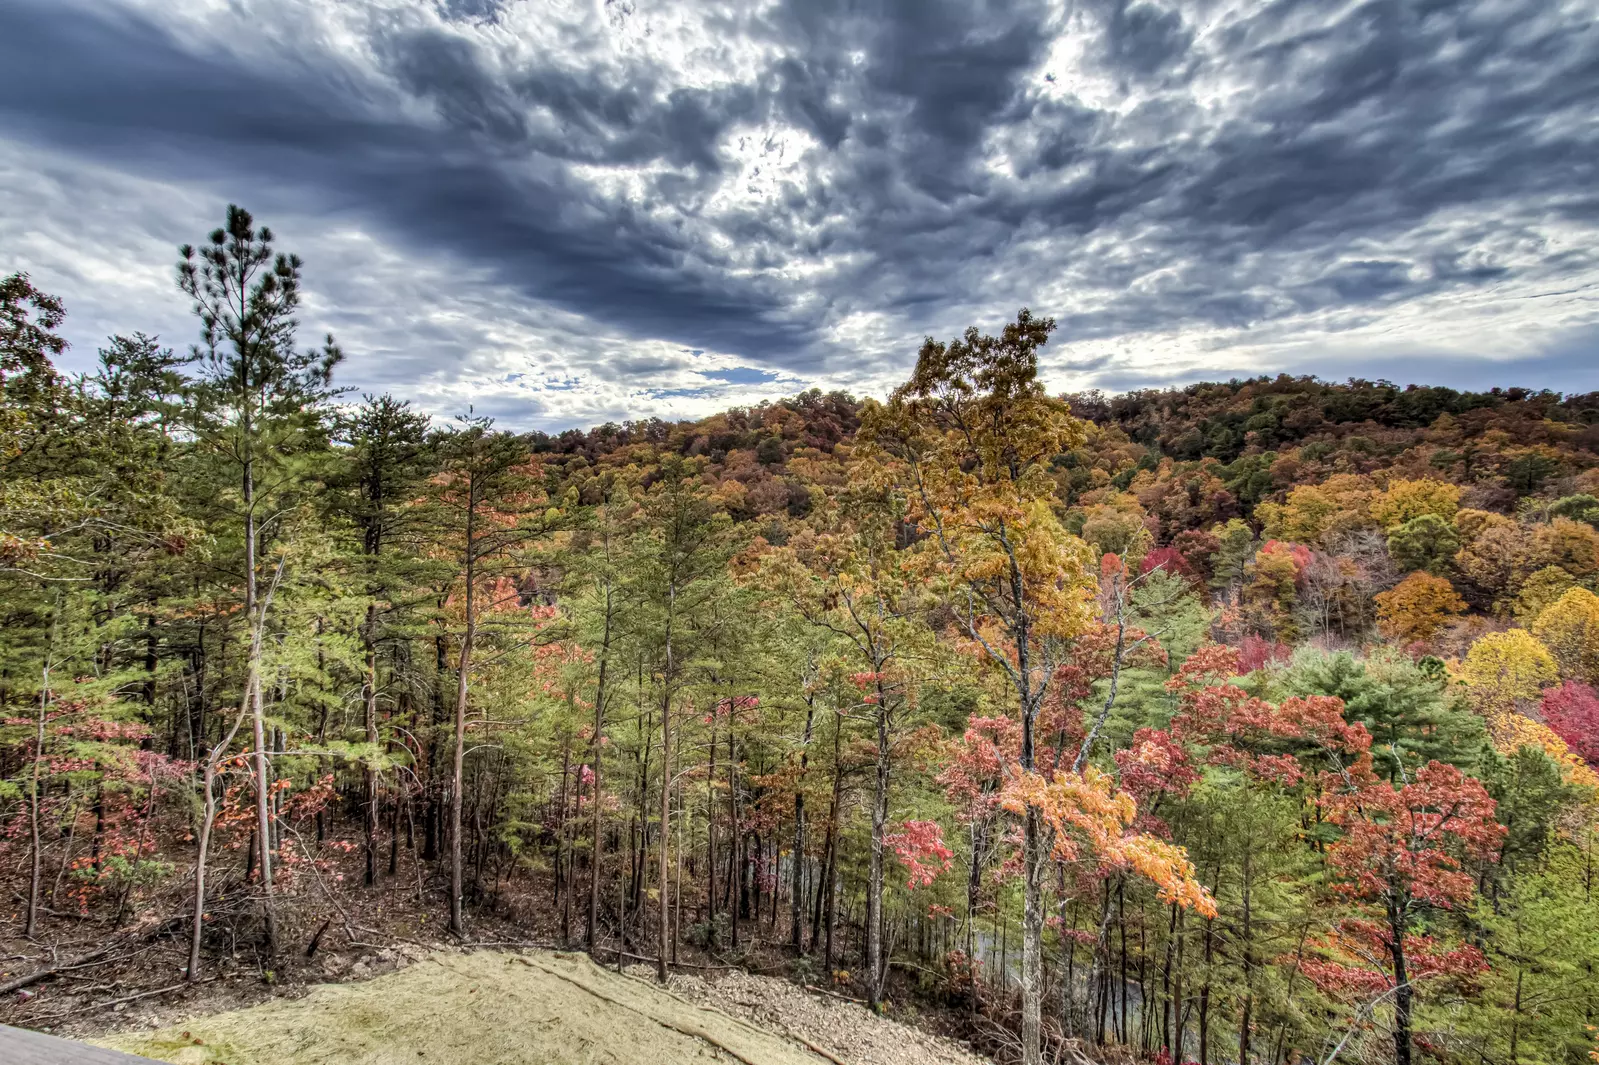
(1251, 721)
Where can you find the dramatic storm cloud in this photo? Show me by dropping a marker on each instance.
(567, 212)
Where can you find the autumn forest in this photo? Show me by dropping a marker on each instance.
(1243, 722)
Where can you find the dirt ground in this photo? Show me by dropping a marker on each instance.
(849, 1031)
(542, 1008)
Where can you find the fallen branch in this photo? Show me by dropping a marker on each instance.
(115, 1002)
(813, 1048)
(147, 994)
(83, 961)
(835, 994)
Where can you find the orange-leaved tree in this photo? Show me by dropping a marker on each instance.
(1417, 608)
(1091, 820)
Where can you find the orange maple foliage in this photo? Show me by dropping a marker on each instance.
(1091, 819)
(1415, 609)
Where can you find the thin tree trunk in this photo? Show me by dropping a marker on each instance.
(796, 900)
(430, 817)
(710, 830)
(665, 930)
(370, 719)
(463, 670)
(198, 925)
(213, 759)
(596, 751)
(1246, 937)
(563, 846)
(36, 872)
(263, 781)
(874, 888)
(735, 841)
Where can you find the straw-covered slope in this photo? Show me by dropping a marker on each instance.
(488, 1008)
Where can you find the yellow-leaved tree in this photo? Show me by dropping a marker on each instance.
(1406, 500)
(1312, 512)
(1506, 668)
(1569, 628)
(969, 439)
(1503, 672)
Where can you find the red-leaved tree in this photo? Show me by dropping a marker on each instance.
(1572, 711)
(1402, 853)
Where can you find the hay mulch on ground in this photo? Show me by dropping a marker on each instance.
(485, 1008)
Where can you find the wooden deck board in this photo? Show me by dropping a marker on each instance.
(19, 1046)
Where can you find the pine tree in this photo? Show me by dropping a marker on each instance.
(260, 406)
(677, 572)
(385, 468)
(486, 506)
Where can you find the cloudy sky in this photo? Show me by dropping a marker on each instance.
(568, 212)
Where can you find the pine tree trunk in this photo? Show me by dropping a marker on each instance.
(665, 926)
(1246, 937)
(263, 780)
(796, 900)
(596, 752)
(735, 842)
(563, 849)
(36, 871)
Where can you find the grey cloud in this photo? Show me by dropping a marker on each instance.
(1144, 38)
(295, 131)
(1296, 159)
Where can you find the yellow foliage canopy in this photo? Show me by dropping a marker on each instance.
(1511, 731)
(1312, 511)
(1570, 629)
(1405, 500)
(1504, 668)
